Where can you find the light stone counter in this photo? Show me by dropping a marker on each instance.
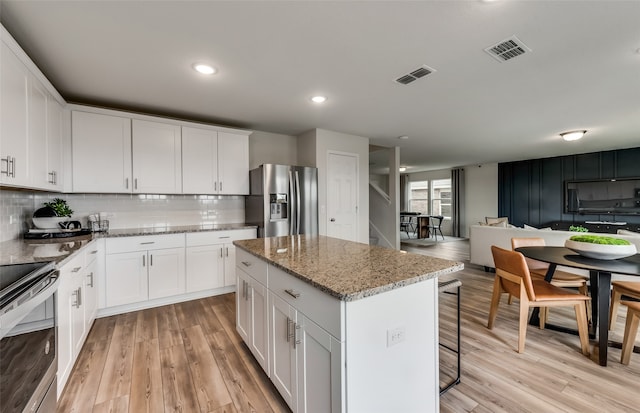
(344, 269)
(20, 251)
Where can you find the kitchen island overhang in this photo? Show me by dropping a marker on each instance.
(362, 318)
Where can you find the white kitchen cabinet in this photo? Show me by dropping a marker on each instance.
(14, 91)
(54, 177)
(37, 140)
(252, 315)
(214, 162)
(157, 157)
(101, 152)
(211, 261)
(233, 163)
(143, 268)
(283, 361)
(90, 291)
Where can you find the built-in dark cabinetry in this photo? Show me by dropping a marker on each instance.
(532, 191)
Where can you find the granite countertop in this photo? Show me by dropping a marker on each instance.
(20, 251)
(344, 269)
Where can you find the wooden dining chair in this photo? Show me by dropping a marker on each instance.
(538, 270)
(629, 289)
(514, 278)
(630, 330)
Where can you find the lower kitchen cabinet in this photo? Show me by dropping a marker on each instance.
(305, 362)
(143, 268)
(211, 258)
(252, 316)
(76, 309)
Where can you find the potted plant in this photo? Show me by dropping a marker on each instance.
(52, 214)
(600, 247)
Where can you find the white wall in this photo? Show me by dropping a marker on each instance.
(265, 147)
(313, 146)
(481, 183)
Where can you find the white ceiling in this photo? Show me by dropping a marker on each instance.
(583, 71)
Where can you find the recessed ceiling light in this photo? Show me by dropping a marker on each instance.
(573, 135)
(403, 137)
(402, 168)
(204, 69)
(319, 99)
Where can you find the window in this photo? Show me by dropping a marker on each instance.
(441, 197)
(419, 197)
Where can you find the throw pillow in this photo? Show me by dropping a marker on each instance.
(627, 232)
(492, 220)
(501, 224)
(528, 227)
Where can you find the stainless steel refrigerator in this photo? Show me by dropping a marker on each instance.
(283, 200)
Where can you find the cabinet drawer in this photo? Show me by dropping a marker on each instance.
(319, 307)
(91, 253)
(195, 239)
(74, 265)
(143, 243)
(252, 265)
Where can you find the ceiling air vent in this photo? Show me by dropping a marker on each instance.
(422, 71)
(507, 49)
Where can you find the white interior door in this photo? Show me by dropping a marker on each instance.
(342, 196)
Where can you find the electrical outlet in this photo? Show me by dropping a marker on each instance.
(395, 336)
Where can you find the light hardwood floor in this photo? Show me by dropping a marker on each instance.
(188, 358)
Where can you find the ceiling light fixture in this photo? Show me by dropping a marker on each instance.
(573, 135)
(319, 99)
(204, 69)
(403, 137)
(402, 168)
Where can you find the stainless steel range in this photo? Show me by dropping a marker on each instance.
(28, 357)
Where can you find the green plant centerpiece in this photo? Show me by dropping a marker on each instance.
(60, 206)
(578, 228)
(52, 214)
(600, 246)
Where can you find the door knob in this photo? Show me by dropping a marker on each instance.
(333, 220)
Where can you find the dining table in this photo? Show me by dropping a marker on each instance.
(600, 271)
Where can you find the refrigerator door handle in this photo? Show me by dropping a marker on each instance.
(297, 204)
(293, 207)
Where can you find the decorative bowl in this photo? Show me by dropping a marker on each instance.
(49, 222)
(601, 251)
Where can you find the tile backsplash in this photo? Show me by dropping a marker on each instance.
(122, 210)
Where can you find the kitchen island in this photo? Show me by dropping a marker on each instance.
(340, 326)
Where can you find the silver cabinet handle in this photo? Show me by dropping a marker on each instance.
(221, 251)
(246, 263)
(76, 269)
(126, 183)
(90, 275)
(226, 251)
(215, 186)
(78, 297)
(290, 334)
(51, 178)
(143, 260)
(296, 340)
(94, 252)
(220, 186)
(292, 293)
(147, 243)
(135, 183)
(151, 260)
(12, 164)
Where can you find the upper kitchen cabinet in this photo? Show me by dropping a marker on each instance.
(157, 157)
(214, 162)
(101, 152)
(31, 123)
(14, 143)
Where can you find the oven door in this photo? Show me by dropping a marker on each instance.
(28, 357)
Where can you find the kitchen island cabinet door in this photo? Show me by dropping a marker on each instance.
(166, 272)
(233, 164)
(101, 151)
(157, 158)
(259, 336)
(319, 369)
(243, 305)
(126, 278)
(282, 358)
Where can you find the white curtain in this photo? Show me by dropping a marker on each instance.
(458, 202)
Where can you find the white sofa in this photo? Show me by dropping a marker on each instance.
(482, 237)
